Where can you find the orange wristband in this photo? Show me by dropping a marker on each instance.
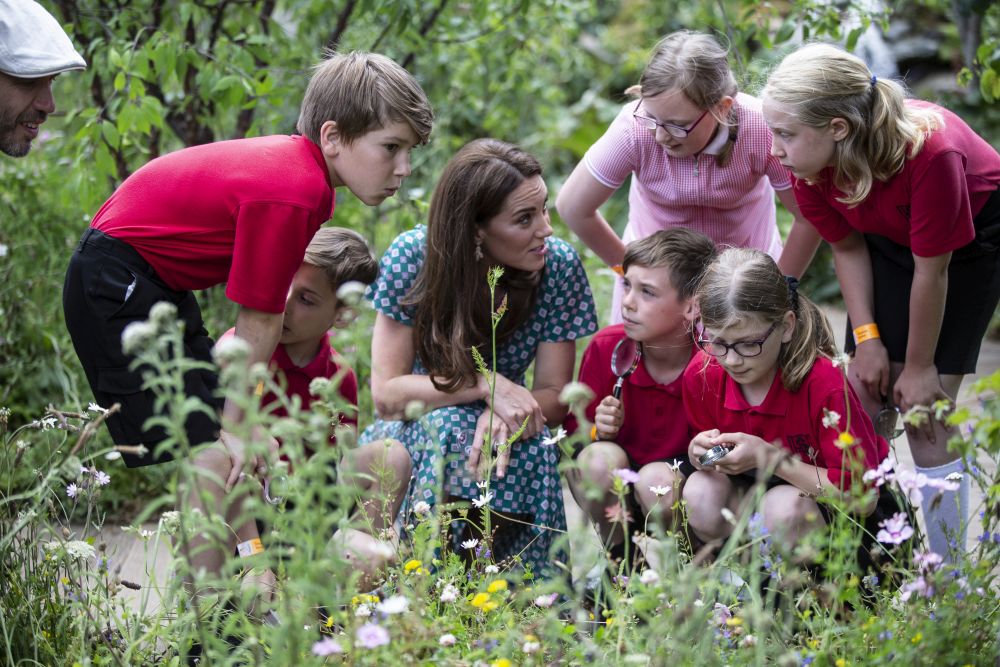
(250, 548)
(865, 332)
(617, 268)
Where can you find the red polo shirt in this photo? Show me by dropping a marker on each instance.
(655, 427)
(714, 400)
(296, 380)
(928, 206)
(228, 212)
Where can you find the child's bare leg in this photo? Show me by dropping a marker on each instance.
(789, 515)
(380, 472)
(591, 484)
(657, 506)
(707, 493)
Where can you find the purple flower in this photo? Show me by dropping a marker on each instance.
(895, 530)
(626, 475)
(918, 586)
(370, 635)
(756, 525)
(927, 561)
(327, 646)
(102, 478)
(72, 490)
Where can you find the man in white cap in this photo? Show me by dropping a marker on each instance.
(34, 49)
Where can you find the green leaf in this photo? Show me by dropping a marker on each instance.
(110, 133)
(120, 81)
(853, 36)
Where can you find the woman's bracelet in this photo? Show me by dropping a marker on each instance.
(865, 332)
(250, 548)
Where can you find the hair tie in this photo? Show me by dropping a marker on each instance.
(874, 79)
(793, 292)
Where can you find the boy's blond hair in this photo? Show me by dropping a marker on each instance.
(362, 92)
(683, 252)
(820, 82)
(343, 255)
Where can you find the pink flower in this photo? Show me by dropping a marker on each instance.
(721, 614)
(371, 635)
(626, 475)
(616, 514)
(546, 601)
(927, 561)
(327, 646)
(895, 530)
(918, 586)
(882, 474)
(72, 490)
(910, 483)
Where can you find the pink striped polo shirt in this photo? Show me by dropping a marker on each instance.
(732, 205)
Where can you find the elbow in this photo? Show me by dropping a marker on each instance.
(566, 210)
(385, 408)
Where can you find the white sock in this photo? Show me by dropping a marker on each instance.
(951, 512)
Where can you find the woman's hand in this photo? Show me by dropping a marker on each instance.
(871, 367)
(512, 404)
(485, 437)
(608, 418)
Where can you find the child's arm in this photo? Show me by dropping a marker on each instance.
(578, 202)
(802, 241)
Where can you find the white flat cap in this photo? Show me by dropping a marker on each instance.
(32, 43)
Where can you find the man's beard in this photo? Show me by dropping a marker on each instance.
(8, 130)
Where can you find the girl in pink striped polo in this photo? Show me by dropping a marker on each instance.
(699, 155)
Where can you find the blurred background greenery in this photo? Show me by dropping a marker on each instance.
(547, 74)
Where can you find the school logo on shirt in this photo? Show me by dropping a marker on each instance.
(904, 210)
(800, 445)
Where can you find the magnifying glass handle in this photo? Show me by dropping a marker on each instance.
(616, 391)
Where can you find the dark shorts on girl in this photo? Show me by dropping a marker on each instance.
(973, 293)
(108, 286)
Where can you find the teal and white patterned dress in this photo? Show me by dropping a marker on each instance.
(564, 310)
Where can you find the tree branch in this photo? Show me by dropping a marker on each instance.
(342, 20)
(425, 28)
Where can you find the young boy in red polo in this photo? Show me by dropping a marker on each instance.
(642, 437)
(231, 212)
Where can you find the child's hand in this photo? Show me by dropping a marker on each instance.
(746, 452)
(700, 444)
(608, 418)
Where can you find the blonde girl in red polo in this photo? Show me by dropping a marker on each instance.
(907, 195)
(763, 389)
(698, 153)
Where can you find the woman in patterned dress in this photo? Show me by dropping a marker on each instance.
(433, 303)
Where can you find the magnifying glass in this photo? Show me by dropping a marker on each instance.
(278, 485)
(625, 359)
(886, 422)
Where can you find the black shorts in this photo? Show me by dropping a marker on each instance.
(973, 293)
(108, 286)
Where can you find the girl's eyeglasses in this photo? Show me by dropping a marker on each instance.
(744, 348)
(675, 131)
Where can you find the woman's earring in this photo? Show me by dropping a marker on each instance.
(479, 250)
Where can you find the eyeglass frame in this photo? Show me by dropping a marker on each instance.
(701, 342)
(669, 128)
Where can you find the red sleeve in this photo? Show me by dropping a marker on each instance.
(866, 451)
(700, 401)
(594, 374)
(271, 239)
(940, 210)
(816, 209)
(349, 390)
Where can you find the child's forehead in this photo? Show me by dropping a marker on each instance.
(313, 278)
(741, 325)
(659, 275)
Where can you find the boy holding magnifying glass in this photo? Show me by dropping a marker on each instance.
(640, 432)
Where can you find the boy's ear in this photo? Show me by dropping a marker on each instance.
(344, 317)
(329, 139)
(839, 129)
(691, 310)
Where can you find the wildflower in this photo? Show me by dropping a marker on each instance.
(491, 569)
(483, 484)
(412, 565)
(80, 549)
(449, 594)
(894, 530)
(397, 604)
(94, 407)
(831, 419)
(840, 662)
(73, 490)
(756, 525)
(351, 292)
(660, 490)
(482, 500)
(113, 455)
(616, 514)
(447, 639)
(728, 515)
(546, 601)
(910, 483)
(363, 611)
(882, 474)
(162, 314)
(470, 544)
(947, 484)
(371, 635)
(502, 662)
(556, 437)
(136, 336)
(414, 410)
(45, 423)
(364, 598)
(102, 478)
(621, 580)
(327, 646)
(927, 561)
(721, 614)
(421, 508)
(845, 439)
(530, 647)
(626, 475)
(497, 586)
(917, 638)
(842, 360)
(575, 393)
(649, 577)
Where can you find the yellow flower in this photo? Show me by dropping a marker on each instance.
(411, 565)
(611, 619)
(812, 643)
(917, 638)
(498, 585)
(480, 599)
(735, 620)
(845, 439)
(329, 622)
(530, 638)
(364, 598)
(490, 606)
(64, 580)
(502, 662)
(841, 662)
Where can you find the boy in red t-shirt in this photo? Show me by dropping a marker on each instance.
(231, 212)
(642, 437)
(335, 260)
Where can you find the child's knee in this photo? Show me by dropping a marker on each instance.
(398, 459)
(656, 486)
(705, 500)
(599, 460)
(785, 509)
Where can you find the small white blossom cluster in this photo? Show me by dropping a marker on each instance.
(88, 479)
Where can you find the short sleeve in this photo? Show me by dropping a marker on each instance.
(590, 375)
(398, 270)
(940, 212)
(614, 156)
(776, 172)
(816, 209)
(567, 305)
(271, 239)
(699, 399)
